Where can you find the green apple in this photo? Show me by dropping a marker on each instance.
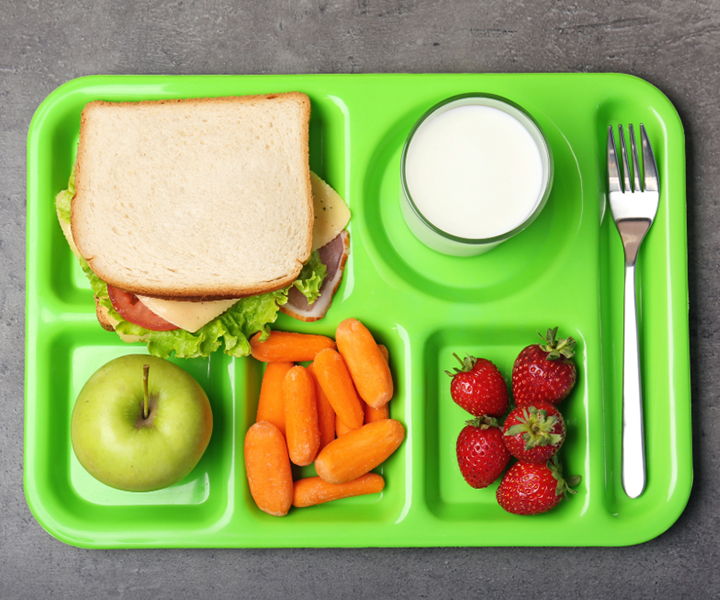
(140, 433)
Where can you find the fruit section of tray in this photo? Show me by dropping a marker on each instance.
(565, 270)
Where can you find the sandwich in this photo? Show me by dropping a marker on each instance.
(195, 220)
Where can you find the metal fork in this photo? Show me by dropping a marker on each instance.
(633, 209)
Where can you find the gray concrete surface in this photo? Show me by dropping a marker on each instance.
(673, 44)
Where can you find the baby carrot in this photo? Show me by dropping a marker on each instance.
(369, 369)
(301, 420)
(313, 490)
(271, 407)
(384, 352)
(286, 346)
(334, 378)
(326, 413)
(359, 451)
(341, 428)
(268, 469)
(376, 414)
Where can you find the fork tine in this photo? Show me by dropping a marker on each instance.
(652, 183)
(613, 166)
(626, 168)
(635, 163)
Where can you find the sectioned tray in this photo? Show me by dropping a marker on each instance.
(565, 270)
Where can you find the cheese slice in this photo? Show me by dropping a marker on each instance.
(331, 213)
(331, 217)
(187, 315)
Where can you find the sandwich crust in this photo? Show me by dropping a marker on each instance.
(195, 199)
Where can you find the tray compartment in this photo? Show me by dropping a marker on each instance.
(663, 348)
(447, 494)
(375, 509)
(506, 270)
(86, 509)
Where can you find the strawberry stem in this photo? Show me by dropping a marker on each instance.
(466, 364)
(484, 422)
(536, 428)
(563, 485)
(556, 348)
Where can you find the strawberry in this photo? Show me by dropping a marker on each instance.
(481, 452)
(478, 387)
(531, 489)
(534, 433)
(544, 371)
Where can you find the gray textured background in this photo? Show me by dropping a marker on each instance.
(672, 44)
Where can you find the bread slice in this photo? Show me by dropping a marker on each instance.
(195, 199)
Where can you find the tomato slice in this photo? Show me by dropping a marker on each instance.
(131, 309)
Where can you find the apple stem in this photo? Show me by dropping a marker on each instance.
(146, 370)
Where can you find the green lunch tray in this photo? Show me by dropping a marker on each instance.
(565, 270)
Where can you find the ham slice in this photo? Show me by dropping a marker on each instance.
(333, 255)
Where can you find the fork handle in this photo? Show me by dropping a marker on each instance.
(633, 445)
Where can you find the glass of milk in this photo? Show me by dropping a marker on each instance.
(476, 170)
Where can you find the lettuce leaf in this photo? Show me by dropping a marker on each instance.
(232, 329)
(311, 278)
(63, 200)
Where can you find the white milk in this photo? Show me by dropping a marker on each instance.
(474, 172)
